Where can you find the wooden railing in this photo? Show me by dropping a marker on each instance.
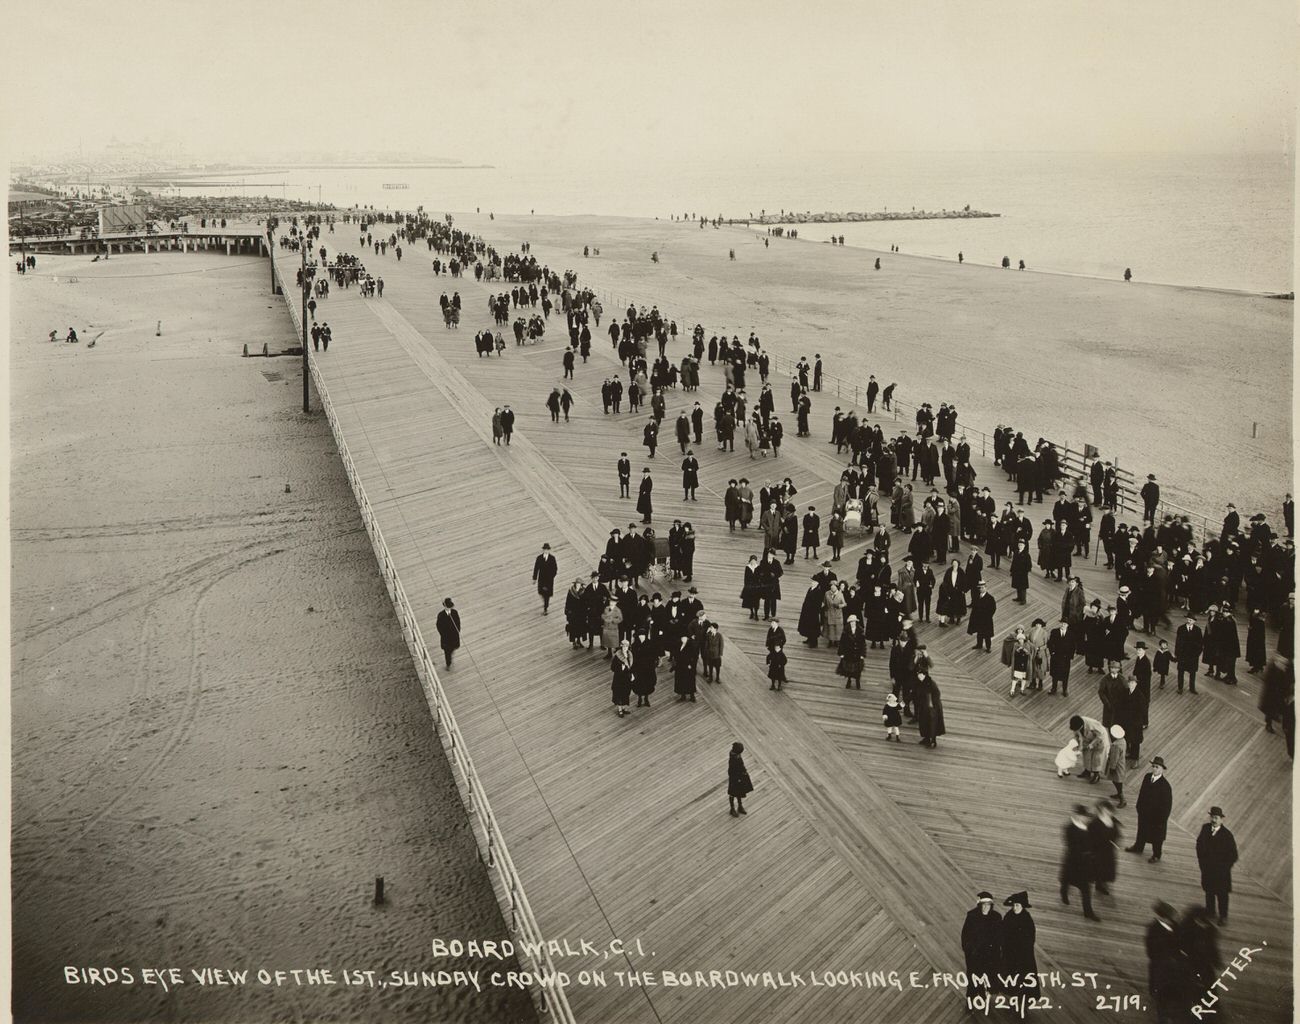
(549, 993)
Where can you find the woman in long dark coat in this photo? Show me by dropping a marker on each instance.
(622, 664)
(1094, 638)
(738, 784)
(1019, 934)
(684, 669)
(853, 650)
(1209, 649)
(981, 942)
(876, 628)
(751, 593)
(1046, 550)
(928, 705)
(810, 615)
(952, 594)
(1227, 648)
(1256, 645)
(790, 534)
(575, 614)
(645, 665)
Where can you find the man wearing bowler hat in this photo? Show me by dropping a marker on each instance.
(544, 569)
(1154, 803)
(1216, 852)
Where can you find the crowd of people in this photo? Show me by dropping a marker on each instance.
(1158, 564)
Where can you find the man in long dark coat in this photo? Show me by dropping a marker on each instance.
(1164, 963)
(448, 625)
(644, 505)
(1154, 803)
(1076, 863)
(1216, 853)
(982, 608)
(1189, 641)
(544, 569)
(690, 475)
(1130, 712)
(981, 941)
(1061, 644)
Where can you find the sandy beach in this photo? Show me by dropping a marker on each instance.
(1166, 380)
(218, 736)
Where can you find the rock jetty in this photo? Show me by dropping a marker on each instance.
(786, 217)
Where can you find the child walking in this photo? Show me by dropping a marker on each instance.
(776, 662)
(892, 716)
(1160, 664)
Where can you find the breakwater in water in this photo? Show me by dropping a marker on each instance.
(830, 218)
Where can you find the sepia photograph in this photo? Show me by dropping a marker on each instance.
(677, 513)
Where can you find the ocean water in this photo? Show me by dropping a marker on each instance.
(1219, 221)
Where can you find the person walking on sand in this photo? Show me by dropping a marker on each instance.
(738, 784)
(545, 568)
(448, 626)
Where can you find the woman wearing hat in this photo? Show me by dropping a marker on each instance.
(1046, 549)
(621, 662)
(1227, 647)
(928, 704)
(575, 613)
(1094, 637)
(738, 784)
(1039, 655)
(952, 597)
(1019, 933)
(1021, 655)
(981, 941)
(833, 613)
(610, 620)
(853, 651)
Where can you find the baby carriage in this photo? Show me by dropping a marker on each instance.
(853, 525)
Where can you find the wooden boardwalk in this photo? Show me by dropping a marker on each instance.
(858, 855)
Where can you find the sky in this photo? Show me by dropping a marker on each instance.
(585, 81)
